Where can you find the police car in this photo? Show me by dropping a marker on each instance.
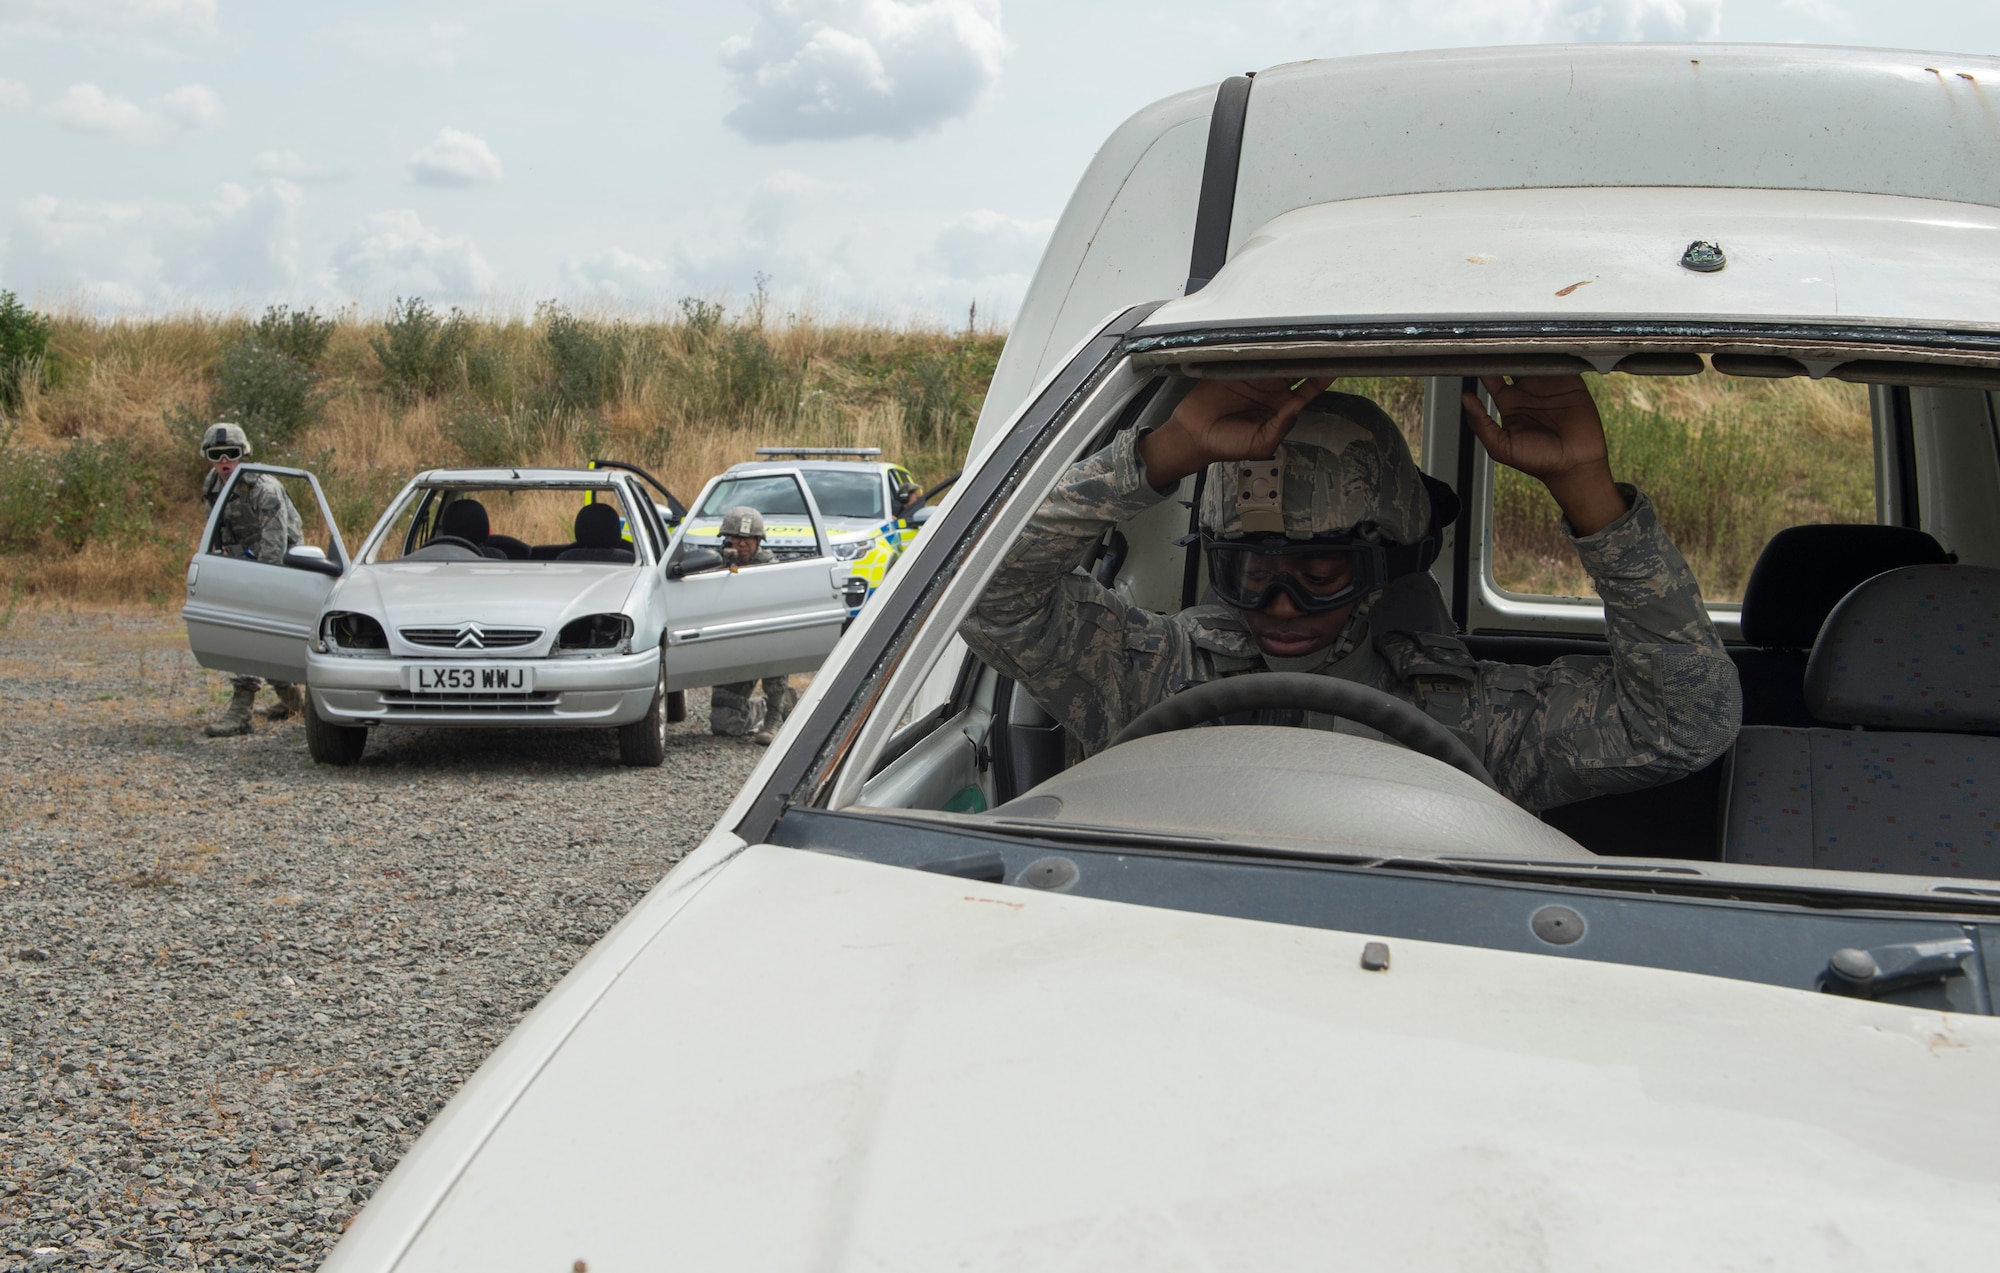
(869, 510)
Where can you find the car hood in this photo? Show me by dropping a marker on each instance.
(521, 594)
(827, 1064)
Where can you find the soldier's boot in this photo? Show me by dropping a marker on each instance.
(291, 702)
(777, 707)
(729, 709)
(235, 718)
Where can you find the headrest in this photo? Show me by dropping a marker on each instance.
(465, 518)
(598, 526)
(1805, 570)
(1912, 649)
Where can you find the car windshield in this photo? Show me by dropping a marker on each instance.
(772, 495)
(846, 492)
(446, 522)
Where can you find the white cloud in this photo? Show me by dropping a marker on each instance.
(619, 275)
(15, 95)
(392, 254)
(455, 159)
(852, 68)
(86, 108)
(65, 250)
(990, 245)
(117, 20)
(245, 244)
(191, 106)
(1579, 21)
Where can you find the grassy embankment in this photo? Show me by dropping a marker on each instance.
(100, 476)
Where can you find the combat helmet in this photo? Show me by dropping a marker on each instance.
(1337, 513)
(743, 520)
(221, 436)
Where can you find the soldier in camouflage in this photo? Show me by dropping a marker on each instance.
(730, 712)
(1318, 530)
(258, 522)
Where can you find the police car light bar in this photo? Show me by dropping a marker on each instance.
(817, 452)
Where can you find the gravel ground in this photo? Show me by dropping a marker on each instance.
(239, 985)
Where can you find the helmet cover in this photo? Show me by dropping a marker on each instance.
(743, 520)
(225, 435)
(1343, 470)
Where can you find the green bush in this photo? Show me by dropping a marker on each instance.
(24, 344)
(26, 486)
(301, 335)
(86, 491)
(421, 353)
(270, 393)
(586, 360)
(498, 439)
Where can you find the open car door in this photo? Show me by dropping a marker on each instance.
(769, 620)
(246, 612)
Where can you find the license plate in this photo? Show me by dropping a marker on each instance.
(469, 678)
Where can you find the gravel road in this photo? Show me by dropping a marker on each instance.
(238, 985)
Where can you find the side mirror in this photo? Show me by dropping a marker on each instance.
(306, 557)
(695, 560)
(919, 516)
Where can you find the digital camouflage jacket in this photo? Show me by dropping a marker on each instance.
(1663, 703)
(259, 518)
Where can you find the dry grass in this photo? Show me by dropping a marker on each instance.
(685, 396)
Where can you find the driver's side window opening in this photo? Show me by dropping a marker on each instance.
(268, 514)
(1729, 461)
(788, 525)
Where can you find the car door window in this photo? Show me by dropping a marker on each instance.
(266, 514)
(790, 530)
(1728, 461)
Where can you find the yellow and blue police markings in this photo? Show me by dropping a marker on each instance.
(884, 547)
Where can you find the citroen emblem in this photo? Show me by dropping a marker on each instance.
(471, 638)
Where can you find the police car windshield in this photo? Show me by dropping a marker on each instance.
(846, 493)
(768, 495)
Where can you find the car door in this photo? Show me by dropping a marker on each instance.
(255, 617)
(770, 620)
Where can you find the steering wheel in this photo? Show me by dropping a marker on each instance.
(1327, 695)
(457, 541)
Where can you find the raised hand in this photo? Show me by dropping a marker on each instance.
(1549, 429)
(1224, 420)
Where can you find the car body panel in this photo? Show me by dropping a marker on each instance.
(253, 618)
(1575, 253)
(943, 1073)
(768, 620)
(1869, 121)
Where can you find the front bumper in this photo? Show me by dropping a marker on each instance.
(611, 690)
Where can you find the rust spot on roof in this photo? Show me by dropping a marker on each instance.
(1565, 291)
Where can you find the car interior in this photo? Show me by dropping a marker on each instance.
(556, 524)
(1865, 643)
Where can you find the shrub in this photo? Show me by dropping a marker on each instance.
(26, 486)
(486, 438)
(270, 393)
(420, 352)
(24, 344)
(700, 317)
(86, 491)
(585, 360)
(301, 335)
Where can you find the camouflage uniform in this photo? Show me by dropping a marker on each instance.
(730, 712)
(259, 522)
(1662, 704)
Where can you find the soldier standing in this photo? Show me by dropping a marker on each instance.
(258, 522)
(730, 712)
(1318, 530)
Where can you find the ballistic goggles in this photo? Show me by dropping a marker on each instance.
(225, 451)
(1318, 575)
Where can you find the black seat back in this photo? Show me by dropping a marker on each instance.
(598, 536)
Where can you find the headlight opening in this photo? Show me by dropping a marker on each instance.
(596, 632)
(349, 633)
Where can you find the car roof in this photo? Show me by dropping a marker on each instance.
(1904, 125)
(518, 477)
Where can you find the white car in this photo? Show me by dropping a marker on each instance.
(936, 994)
(540, 598)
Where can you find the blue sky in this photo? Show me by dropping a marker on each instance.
(900, 158)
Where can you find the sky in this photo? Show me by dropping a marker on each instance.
(898, 159)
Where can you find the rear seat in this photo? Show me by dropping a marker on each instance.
(1911, 660)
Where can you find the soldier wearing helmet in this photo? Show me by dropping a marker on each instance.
(258, 522)
(730, 711)
(1318, 530)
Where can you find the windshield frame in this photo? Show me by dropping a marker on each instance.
(869, 691)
